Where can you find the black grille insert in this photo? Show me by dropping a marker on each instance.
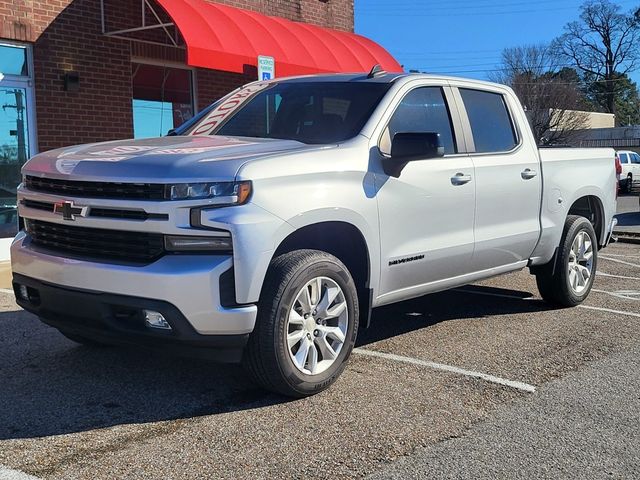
(116, 213)
(127, 191)
(97, 243)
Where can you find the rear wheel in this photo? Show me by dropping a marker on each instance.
(307, 324)
(629, 185)
(567, 281)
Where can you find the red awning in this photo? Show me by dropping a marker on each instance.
(226, 38)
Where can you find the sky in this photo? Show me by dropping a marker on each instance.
(464, 37)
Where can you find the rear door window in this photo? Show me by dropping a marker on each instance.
(490, 121)
(636, 158)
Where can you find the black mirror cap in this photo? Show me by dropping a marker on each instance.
(407, 146)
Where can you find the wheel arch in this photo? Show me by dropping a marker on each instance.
(591, 208)
(344, 241)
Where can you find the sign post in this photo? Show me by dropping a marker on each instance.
(266, 68)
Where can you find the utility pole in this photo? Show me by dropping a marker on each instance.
(20, 130)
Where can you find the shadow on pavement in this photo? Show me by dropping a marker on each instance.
(51, 386)
(429, 310)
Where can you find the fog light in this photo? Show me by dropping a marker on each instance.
(23, 292)
(155, 320)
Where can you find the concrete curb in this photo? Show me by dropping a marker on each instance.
(626, 236)
(5, 274)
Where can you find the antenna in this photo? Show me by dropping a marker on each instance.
(376, 71)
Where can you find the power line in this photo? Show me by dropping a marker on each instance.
(477, 14)
(412, 8)
(477, 4)
(479, 10)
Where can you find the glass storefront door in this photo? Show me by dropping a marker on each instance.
(16, 135)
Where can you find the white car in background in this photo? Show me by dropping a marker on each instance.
(630, 162)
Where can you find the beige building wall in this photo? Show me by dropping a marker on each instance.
(597, 119)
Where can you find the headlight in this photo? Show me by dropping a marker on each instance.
(182, 243)
(222, 193)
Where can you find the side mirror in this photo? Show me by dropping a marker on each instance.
(409, 146)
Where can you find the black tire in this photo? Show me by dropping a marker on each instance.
(553, 278)
(267, 356)
(87, 342)
(628, 187)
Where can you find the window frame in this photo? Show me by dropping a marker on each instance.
(471, 146)
(457, 131)
(175, 65)
(26, 83)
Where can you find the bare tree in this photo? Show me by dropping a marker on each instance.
(550, 95)
(604, 43)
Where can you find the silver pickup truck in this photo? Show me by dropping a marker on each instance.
(267, 228)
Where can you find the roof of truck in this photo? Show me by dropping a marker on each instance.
(382, 77)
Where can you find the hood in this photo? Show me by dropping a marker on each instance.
(159, 160)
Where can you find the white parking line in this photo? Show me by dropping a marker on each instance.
(525, 387)
(7, 290)
(616, 276)
(619, 261)
(623, 294)
(619, 312)
(8, 474)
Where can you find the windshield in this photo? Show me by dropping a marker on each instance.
(309, 112)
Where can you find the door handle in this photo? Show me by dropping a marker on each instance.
(460, 179)
(528, 174)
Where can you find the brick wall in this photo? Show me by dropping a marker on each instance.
(336, 14)
(101, 107)
(213, 84)
(67, 37)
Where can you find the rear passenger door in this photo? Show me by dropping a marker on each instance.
(508, 179)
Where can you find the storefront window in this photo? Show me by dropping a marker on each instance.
(16, 110)
(13, 60)
(162, 99)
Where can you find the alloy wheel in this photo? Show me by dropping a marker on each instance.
(317, 325)
(580, 266)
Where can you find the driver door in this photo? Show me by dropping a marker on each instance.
(426, 214)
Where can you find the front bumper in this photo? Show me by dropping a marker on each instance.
(190, 283)
(119, 320)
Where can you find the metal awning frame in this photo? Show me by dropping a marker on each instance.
(146, 7)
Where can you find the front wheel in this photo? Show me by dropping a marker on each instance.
(307, 324)
(567, 281)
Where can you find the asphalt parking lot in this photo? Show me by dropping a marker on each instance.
(441, 407)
